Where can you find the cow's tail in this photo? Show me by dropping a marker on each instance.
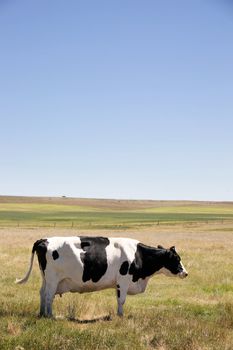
(26, 277)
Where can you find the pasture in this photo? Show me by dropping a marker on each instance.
(195, 313)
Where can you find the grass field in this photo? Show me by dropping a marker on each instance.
(195, 313)
(107, 214)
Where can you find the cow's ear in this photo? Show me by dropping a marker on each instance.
(160, 247)
(173, 249)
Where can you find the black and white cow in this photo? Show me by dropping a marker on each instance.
(87, 264)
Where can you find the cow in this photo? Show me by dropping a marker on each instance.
(86, 264)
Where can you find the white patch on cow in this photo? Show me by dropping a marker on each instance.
(138, 286)
(184, 273)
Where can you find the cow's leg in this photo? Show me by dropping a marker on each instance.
(42, 299)
(50, 290)
(121, 291)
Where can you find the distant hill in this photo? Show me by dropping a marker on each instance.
(107, 203)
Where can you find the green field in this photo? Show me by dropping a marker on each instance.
(173, 314)
(85, 217)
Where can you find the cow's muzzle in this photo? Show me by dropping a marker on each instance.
(183, 274)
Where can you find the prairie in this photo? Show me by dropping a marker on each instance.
(107, 214)
(195, 313)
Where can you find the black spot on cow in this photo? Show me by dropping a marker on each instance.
(124, 268)
(55, 255)
(85, 244)
(40, 247)
(147, 261)
(94, 257)
(118, 291)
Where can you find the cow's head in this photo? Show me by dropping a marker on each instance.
(172, 263)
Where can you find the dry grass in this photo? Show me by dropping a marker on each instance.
(195, 314)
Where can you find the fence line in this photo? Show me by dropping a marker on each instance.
(73, 224)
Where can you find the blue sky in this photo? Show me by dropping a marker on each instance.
(117, 99)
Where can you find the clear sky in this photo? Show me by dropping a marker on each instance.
(117, 98)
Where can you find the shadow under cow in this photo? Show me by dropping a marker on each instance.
(87, 321)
